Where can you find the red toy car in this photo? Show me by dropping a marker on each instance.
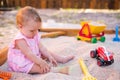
(103, 56)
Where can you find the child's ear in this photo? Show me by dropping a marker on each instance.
(20, 25)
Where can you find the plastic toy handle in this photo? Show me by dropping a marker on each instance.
(85, 71)
(83, 66)
(117, 30)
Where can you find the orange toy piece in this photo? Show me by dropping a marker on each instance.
(5, 75)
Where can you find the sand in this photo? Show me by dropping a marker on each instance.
(64, 45)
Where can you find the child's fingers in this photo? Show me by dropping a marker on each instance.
(53, 62)
(46, 69)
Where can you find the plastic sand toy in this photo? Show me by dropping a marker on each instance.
(5, 75)
(87, 76)
(103, 56)
(92, 31)
(116, 38)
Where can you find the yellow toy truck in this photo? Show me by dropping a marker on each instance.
(91, 31)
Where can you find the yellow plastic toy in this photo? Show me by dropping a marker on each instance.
(91, 31)
(85, 71)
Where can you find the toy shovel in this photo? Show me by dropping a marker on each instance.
(85, 71)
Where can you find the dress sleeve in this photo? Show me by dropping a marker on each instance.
(19, 36)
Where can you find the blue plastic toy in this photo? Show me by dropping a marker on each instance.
(116, 38)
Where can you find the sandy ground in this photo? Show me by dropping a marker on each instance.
(64, 45)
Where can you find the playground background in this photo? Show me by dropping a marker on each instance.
(73, 16)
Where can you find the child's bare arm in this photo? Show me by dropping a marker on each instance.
(47, 54)
(22, 45)
(44, 51)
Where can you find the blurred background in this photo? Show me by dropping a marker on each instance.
(58, 11)
(57, 4)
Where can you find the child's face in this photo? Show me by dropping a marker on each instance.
(30, 28)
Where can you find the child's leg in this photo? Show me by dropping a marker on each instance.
(62, 59)
(36, 69)
(63, 70)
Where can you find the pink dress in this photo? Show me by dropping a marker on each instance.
(17, 61)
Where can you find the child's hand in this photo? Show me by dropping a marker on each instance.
(52, 61)
(44, 66)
